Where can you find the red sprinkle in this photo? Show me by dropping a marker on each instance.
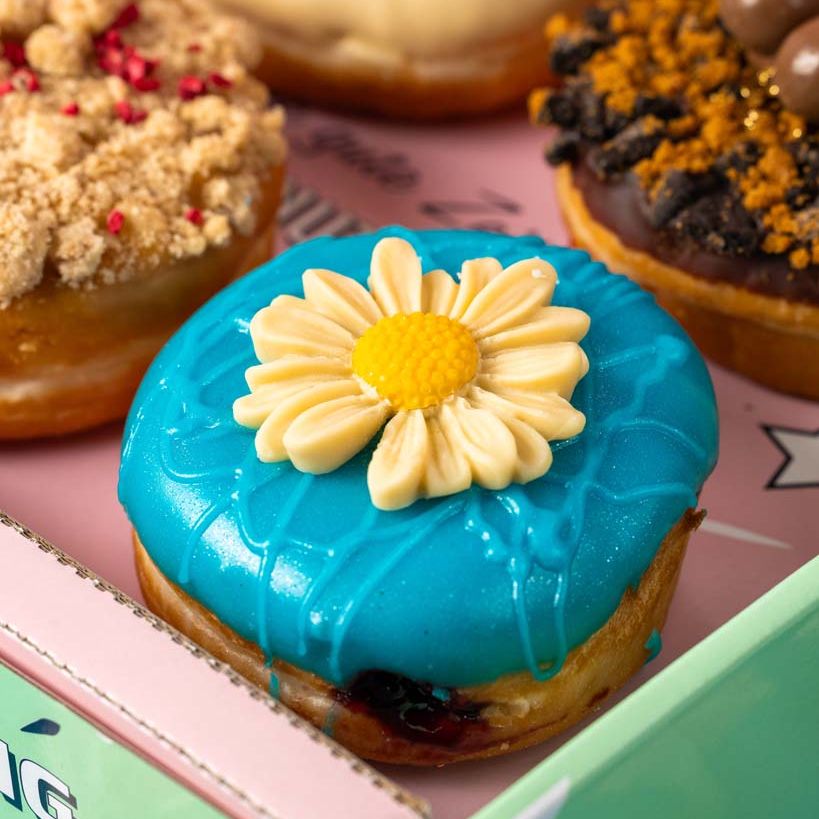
(128, 114)
(14, 53)
(114, 57)
(30, 79)
(71, 109)
(127, 17)
(146, 84)
(194, 216)
(136, 67)
(111, 60)
(115, 221)
(194, 48)
(21, 78)
(110, 39)
(124, 110)
(139, 72)
(191, 87)
(220, 81)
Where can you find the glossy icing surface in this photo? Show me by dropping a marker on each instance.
(455, 591)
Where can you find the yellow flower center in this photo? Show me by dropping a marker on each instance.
(416, 360)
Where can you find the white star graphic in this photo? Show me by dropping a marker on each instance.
(800, 469)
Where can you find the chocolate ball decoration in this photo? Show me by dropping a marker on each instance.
(797, 70)
(761, 25)
(783, 34)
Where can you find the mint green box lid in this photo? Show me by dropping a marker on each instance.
(731, 729)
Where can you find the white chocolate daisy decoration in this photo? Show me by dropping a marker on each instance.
(472, 378)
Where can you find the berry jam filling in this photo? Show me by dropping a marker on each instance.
(415, 711)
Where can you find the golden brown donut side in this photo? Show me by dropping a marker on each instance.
(71, 359)
(404, 93)
(770, 340)
(516, 710)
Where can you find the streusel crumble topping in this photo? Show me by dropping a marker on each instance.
(131, 135)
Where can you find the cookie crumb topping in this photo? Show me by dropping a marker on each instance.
(659, 89)
(114, 131)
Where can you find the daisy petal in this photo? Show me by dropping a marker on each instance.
(486, 442)
(534, 455)
(547, 325)
(547, 367)
(395, 277)
(342, 299)
(446, 470)
(282, 413)
(293, 367)
(438, 292)
(552, 416)
(289, 326)
(397, 466)
(511, 297)
(329, 434)
(252, 410)
(474, 276)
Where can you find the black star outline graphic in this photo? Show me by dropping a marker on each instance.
(776, 434)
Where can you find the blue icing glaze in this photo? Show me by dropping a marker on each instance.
(455, 591)
(654, 645)
(329, 726)
(274, 686)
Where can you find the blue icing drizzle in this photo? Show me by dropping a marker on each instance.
(455, 591)
(329, 726)
(274, 687)
(654, 645)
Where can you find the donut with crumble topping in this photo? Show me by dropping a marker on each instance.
(140, 170)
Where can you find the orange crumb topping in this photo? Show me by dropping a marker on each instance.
(677, 49)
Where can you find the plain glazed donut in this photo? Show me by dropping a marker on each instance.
(413, 59)
(440, 516)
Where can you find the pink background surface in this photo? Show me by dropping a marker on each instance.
(488, 176)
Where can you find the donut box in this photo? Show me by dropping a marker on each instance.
(93, 723)
(348, 175)
(739, 668)
(81, 730)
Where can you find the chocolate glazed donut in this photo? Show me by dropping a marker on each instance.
(783, 34)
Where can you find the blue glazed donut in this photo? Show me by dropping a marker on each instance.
(450, 595)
